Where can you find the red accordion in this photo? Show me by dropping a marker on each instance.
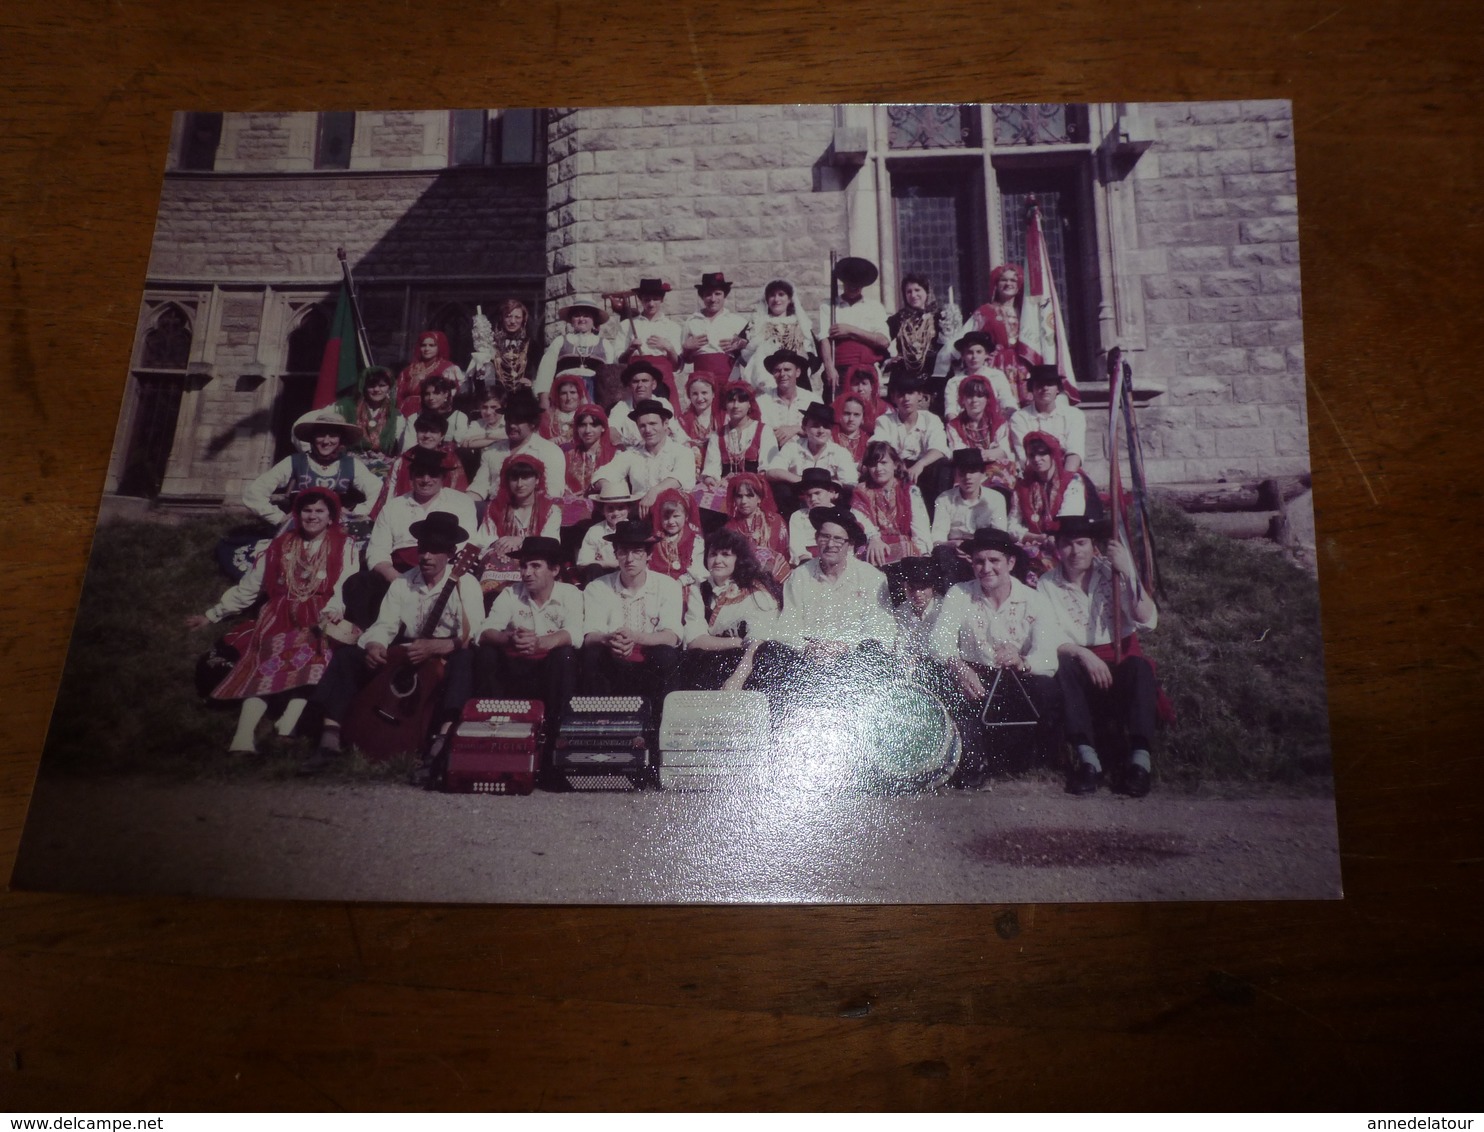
(496, 748)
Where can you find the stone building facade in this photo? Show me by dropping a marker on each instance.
(1172, 227)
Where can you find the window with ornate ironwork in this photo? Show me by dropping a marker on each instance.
(200, 135)
(513, 136)
(1038, 123)
(158, 382)
(335, 134)
(932, 127)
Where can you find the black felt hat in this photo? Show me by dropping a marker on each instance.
(549, 550)
(641, 366)
(1042, 375)
(968, 460)
(427, 462)
(656, 287)
(818, 412)
(439, 532)
(650, 405)
(713, 281)
(818, 477)
(632, 532)
(773, 360)
(857, 271)
(1080, 526)
(918, 572)
(974, 338)
(992, 538)
(841, 517)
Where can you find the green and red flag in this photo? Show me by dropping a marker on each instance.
(340, 368)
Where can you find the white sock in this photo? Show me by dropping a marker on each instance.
(1140, 757)
(290, 717)
(329, 739)
(253, 709)
(1089, 754)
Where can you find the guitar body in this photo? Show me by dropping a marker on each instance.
(393, 714)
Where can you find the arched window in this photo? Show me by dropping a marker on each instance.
(159, 381)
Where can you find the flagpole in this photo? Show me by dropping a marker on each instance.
(355, 308)
(1115, 486)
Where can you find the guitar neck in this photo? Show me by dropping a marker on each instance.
(458, 568)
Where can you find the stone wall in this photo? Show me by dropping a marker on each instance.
(486, 222)
(1218, 263)
(678, 190)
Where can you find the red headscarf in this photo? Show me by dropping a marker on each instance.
(877, 405)
(766, 528)
(581, 465)
(994, 416)
(409, 400)
(672, 558)
(550, 427)
(305, 614)
(889, 507)
(687, 416)
(856, 447)
(499, 519)
(1040, 501)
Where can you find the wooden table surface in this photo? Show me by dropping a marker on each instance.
(1369, 1003)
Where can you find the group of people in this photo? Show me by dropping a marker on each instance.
(765, 501)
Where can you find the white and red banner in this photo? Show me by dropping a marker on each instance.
(1043, 329)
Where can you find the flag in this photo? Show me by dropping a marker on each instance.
(340, 368)
(1043, 330)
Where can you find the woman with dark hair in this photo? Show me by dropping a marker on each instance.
(778, 323)
(752, 513)
(889, 499)
(980, 423)
(742, 442)
(915, 333)
(432, 360)
(372, 409)
(301, 575)
(729, 615)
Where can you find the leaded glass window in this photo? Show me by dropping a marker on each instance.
(336, 135)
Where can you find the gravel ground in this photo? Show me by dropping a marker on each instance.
(1024, 841)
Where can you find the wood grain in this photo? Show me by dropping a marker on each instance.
(1371, 1003)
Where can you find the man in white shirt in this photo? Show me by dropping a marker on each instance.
(641, 381)
(652, 334)
(836, 622)
(814, 448)
(783, 409)
(528, 642)
(326, 465)
(409, 603)
(855, 332)
(392, 547)
(916, 434)
(658, 463)
(1093, 675)
(1050, 412)
(713, 335)
(998, 636)
(522, 416)
(963, 509)
(632, 622)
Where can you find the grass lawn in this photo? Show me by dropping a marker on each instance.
(1238, 648)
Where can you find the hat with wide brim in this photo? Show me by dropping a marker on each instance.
(632, 532)
(974, 338)
(651, 406)
(778, 357)
(817, 477)
(992, 538)
(581, 306)
(310, 423)
(713, 281)
(641, 365)
(609, 491)
(1081, 526)
(1042, 375)
(841, 517)
(918, 572)
(855, 270)
(817, 412)
(547, 549)
(440, 528)
(656, 288)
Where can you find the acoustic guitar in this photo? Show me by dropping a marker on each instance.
(393, 714)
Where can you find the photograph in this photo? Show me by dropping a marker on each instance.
(843, 504)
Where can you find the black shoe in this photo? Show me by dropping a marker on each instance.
(1084, 778)
(1135, 781)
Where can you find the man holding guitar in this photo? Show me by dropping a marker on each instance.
(433, 609)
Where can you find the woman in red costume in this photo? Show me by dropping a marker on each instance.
(1000, 319)
(521, 509)
(432, 360)
(283, 650)
(980, 423)
(752, 513)
(592, 448)
(742, 442)
(700, 415)
(854, 423)
(889, 499)
(567, 395)
(677, 524)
